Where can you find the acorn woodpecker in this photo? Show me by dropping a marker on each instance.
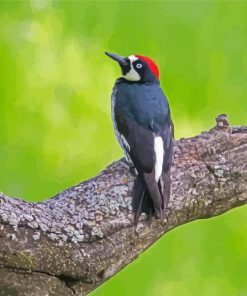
(144, 129)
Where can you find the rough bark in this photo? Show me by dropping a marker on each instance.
(73, 242)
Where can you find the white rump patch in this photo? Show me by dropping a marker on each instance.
(132, 75)
(159, 153)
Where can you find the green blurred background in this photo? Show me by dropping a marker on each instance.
(56, 130)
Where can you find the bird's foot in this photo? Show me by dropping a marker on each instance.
(125, 163)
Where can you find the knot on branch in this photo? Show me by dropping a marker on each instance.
(222, 121)
(81, 237)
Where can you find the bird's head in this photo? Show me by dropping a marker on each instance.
(137, 67)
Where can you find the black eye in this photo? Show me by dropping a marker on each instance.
(138, 66)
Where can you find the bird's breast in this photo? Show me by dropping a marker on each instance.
(146, 104)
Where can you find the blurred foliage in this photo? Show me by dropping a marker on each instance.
(56, 130)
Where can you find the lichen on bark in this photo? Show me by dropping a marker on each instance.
(73, 242)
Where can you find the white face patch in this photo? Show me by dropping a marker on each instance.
(132, 75)
(159, 153)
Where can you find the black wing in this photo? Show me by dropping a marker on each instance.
(140, 114)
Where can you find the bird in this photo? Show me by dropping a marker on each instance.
(144, 129)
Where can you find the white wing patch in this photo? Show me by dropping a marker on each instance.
(132, 75)
(159, 153)
(125, 143)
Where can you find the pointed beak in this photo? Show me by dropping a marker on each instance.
(121, 60)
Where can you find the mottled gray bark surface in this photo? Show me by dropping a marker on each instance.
(73, 242)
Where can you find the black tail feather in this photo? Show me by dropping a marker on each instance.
(137, 201)
(154, 193)
(166, 187)
(141, 201)
(137, 196)
(161, 190)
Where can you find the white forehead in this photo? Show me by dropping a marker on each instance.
(132, 75)
(132, 58)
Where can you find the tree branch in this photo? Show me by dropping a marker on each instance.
(73, 242)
